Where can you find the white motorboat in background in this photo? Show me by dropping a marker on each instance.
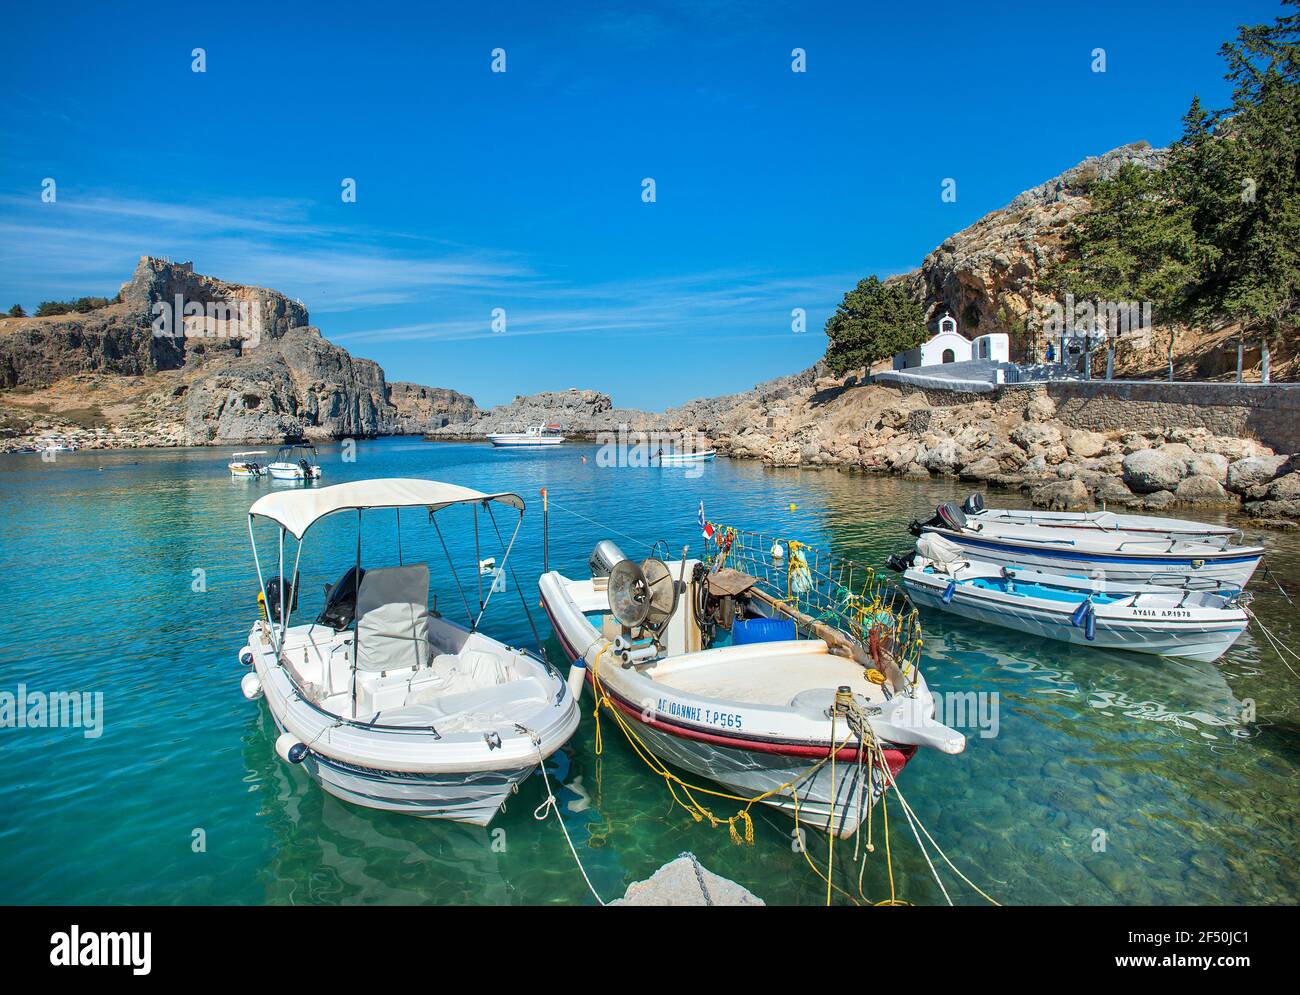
(296, 462)
(383, 701)
(241, 466)
(533, 437)
(1194, 624)
(719, 672)
(979, 518)
(1109, 556)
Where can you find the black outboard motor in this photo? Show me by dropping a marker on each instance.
(899, 562)
(341, 600)
(273, 588)
(946, 516)
(974, 504)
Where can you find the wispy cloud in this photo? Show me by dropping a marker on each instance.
(56, 249)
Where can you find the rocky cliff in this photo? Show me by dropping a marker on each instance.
(187, 359)
(987, 275)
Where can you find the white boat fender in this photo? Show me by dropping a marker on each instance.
(577, 674)
(290, 749)
(777, 551)
(246, 656)
(251, 685)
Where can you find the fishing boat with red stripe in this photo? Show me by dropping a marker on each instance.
(787, 676)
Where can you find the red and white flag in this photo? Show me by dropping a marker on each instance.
(705, 527)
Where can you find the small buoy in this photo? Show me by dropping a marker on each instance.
(793, 506)
(246, 656)
(290, 749)
(584, 459)
(251, 685)
(778, 551)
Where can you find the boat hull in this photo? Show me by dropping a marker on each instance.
(1229, 568)
(830, 799)
(751, 748)
(459, 777)
(1107, 523)
(524, 443)
(293, 473)
(473, 798)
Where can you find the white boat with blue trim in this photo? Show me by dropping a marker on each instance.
(1182, 622)
(1103, 522)
(381, 699)
(1109, 556)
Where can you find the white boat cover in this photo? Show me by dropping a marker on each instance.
(393, 619)
(297, 511)
(941, 553)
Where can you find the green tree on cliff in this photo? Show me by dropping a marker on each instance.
(873, 322)
(17, 311)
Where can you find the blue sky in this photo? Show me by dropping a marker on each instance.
(522, 190)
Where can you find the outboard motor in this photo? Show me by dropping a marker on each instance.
(946, 516)
(951, 516)
(603, 557)
(341, 600)
(273, 588)
(974, 504)
(899, 562)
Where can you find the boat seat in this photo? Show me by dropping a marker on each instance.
(482, 708)
(393, 619)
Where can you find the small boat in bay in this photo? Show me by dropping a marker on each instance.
(796, 697)
(296, 462)
(534, 437)
(381, 699)
(1150, 618)
(677, 458)
(1109, 556)
(241, 466)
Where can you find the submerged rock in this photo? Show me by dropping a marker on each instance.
(685, 881)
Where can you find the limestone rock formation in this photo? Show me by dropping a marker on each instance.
(223, 363)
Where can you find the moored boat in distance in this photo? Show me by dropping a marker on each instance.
(1094, 553)
(533, 437)
(717, 670)
(675, 458)
(297, 462)
(1165, 621)
(241, 466)
(383, 701)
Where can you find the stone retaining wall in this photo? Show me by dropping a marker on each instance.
(1269, 413)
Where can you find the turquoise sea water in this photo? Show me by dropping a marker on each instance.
(1189, 773)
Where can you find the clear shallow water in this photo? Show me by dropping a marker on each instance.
(1195, 794)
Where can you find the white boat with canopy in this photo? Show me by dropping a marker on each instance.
(297, 462)
(791, 681)
(383, 700)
